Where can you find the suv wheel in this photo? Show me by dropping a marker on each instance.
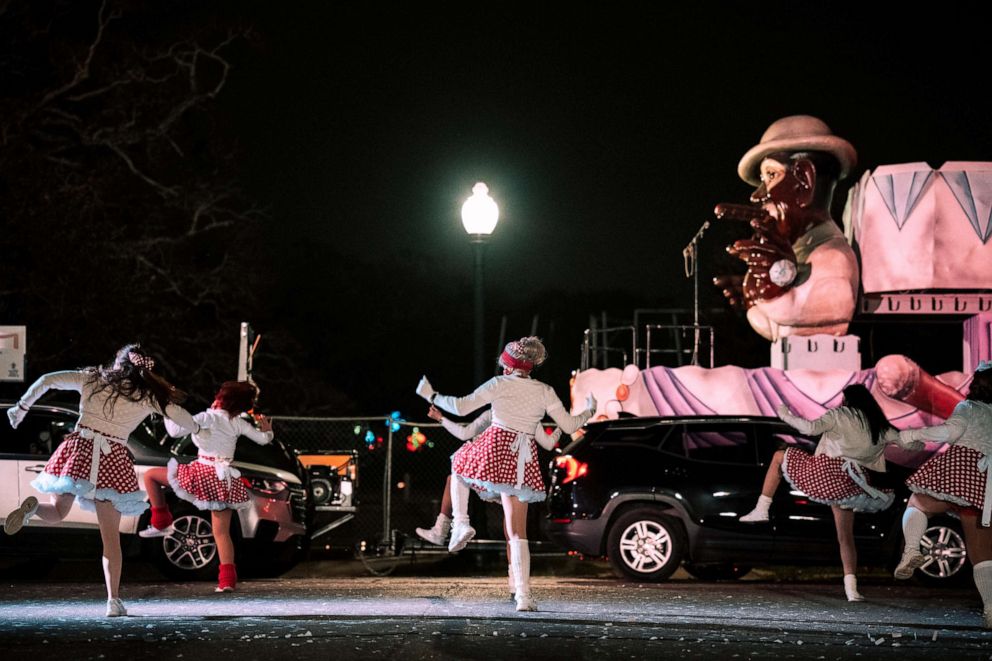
(189, 553)
(645, 545)
(943, 546)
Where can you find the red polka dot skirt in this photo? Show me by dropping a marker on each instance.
(68, 471)
(489, 465)
(951, 475)
(824, 480)
(197, 483)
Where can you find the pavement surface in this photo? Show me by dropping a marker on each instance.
(336, 610)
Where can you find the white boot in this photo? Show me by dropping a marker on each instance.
(461, 532)
(511, 580)
(982, 572)
(851, 588)
(438, 535)
(760, 512)
(914, 524)
(520, 557)
(16, 519)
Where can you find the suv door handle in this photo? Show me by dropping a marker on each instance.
(35, 469)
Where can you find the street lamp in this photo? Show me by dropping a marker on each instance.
(479, 216)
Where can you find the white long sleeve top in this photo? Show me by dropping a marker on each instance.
(969, 426)
(518, 403)
(844, 433)
(468, 431)
(117, 422)
(219, 442)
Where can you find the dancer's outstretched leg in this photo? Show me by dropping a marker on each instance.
(461, 532)
(914, 523)
(438, 534)
(156, 479)
(773, 476)
(51, 512)
(227, 575)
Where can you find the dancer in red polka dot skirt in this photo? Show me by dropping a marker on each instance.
(958, 479)
(503, 459)
(210, 482)
(92, 462)
(850, 442)
(438, 535)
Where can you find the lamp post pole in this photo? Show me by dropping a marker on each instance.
(479, 216)
(478, 341)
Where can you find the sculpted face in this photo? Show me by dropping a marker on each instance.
(785, 190)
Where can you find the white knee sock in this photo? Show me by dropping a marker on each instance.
(459, 500)
(982, 573)
(914, 524)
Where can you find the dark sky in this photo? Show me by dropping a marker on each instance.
(605, 132)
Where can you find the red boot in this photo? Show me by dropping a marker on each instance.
(160, 524)
(227, 579)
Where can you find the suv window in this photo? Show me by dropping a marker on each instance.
(722, 443)
(38, 434)
(652, 437)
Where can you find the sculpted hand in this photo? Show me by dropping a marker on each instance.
(424, 389)
(783, 410)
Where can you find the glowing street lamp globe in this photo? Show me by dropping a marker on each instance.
(480, 213)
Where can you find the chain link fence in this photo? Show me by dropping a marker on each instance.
(401, 471)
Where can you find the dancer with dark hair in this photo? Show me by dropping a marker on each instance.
(438, 534)
(209, 482)
(92, 462)
(502, 461)
(851, 441)
(957, 479)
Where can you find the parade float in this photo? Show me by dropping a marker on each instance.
(914, 245)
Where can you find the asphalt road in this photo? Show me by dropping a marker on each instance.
(323, 611)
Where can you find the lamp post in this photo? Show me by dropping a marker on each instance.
(479, 216)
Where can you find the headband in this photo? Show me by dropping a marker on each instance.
(141, 361)
(515, 363)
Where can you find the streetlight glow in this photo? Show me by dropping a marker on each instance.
(480, 213)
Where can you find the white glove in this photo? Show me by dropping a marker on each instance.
(425, 390)
(15, 413)
(546, 440)
(591, 403)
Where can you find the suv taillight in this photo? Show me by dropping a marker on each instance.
(573, 468)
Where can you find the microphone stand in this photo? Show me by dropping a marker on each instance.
(691, 256)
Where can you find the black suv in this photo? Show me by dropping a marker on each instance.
(651, 493)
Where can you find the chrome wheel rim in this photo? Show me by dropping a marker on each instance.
(645, 546)
(944, 551)
(190, 545)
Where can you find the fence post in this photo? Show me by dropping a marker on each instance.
(387, 491)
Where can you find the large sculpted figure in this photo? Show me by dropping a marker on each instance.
(802, 275)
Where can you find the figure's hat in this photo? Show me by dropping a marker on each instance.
(797, 133)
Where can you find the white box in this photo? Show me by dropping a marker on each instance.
(13, 346)
(817, 352)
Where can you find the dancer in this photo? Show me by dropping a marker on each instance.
(438, 535)
(92, 461)
(209, 482)
(954, 480)
(502, 461)
(851, 441)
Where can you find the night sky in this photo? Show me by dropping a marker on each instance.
(606, 133)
